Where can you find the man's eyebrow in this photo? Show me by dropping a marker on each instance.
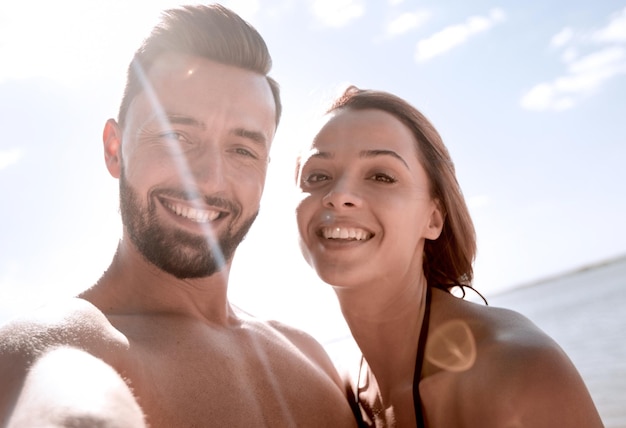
(185, 120)
(255, 136)
(381, 152)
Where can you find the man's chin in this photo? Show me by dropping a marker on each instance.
(188, 262)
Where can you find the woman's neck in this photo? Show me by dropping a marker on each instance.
(385, 320)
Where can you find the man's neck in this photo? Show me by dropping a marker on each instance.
(132, 285)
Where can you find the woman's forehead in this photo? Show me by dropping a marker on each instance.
(374, 128)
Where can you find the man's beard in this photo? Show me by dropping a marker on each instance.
(179, 253)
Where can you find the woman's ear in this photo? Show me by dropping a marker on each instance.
(112, 141)
(435, 223)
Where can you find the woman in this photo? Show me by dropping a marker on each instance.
(382, 219)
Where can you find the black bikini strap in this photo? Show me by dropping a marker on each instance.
(419, 361)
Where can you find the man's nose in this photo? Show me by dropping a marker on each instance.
(207, 168)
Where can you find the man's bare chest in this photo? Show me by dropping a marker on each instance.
(188, 377)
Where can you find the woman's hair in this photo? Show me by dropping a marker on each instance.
(448, 259)
(213, 32)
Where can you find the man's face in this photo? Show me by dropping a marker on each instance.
(194, 157)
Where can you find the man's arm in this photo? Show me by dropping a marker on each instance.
(67, 387)
(55, 360)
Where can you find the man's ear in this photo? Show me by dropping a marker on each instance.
(112, 141)
(435, 223)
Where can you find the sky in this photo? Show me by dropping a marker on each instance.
(529, 97)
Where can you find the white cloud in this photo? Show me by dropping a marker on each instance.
(615, 31)
(406, 22)
(607, 58)
(545, 96)
(583, 75)
(561, 38)
(395, 2)
(455, 35)
(10, 157)
(569, 55)
(337, 13)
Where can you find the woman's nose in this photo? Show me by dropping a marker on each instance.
(343, 195)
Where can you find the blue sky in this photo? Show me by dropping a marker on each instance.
(529, 98)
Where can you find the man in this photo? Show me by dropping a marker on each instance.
(156, 340)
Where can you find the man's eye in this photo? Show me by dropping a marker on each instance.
(174, 136)
(245, 152)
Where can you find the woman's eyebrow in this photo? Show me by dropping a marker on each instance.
(321, 155)
(382, 152)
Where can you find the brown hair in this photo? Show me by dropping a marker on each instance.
(213, 32)
(448, 259)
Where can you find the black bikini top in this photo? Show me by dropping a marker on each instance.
(368, 415)
(421, 347)
(419, 362)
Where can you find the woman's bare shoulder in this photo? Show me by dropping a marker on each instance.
(489, 324)
(518, 372)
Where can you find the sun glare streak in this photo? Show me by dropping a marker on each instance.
(181, 164)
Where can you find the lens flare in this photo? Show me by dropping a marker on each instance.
(452, 347)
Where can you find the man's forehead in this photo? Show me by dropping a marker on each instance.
(180, 85)
(170, 63)
(177, 68)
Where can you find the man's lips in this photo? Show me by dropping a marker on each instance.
(193, 213)
(345, 233)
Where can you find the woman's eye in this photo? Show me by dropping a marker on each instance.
(383, 178)
(315, 178)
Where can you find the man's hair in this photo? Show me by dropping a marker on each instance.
(213, 32)
(448, 259)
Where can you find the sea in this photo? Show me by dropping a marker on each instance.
(584, 311)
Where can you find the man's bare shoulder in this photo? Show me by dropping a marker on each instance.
(70, 322)
(291, 337)
(277, 328)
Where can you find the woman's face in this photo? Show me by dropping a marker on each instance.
(365, 207)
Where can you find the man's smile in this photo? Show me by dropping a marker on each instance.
(193, 213)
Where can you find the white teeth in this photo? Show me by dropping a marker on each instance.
(345, 233)
(193, 214)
